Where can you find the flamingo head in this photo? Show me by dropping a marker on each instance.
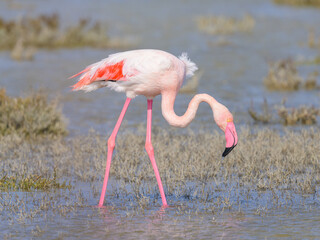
(231, 137)
(224, 119)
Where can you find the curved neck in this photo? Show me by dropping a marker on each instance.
(167, 105)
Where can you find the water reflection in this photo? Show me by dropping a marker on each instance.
(159, 215)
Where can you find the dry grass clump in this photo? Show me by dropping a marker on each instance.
(30, 117)
(302, 115)
(225, 25)
(283, 75)
(24, 35)
(314, 3)
(311, 81)
(264, 117)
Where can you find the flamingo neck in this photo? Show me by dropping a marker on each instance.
(167, 105)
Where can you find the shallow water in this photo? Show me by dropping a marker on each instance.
(73, 214)
(233, 73)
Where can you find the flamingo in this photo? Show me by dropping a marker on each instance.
(149, 73)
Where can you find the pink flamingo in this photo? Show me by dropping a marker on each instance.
(150, 73)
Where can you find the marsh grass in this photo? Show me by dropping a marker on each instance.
(310, 3)
(311, 81)
(30, 117)
(23, 36)
(266, 157)
(31, 182)
(305, 115)
(265, 172)
(225, 25)
(266, 163)
(283, 76)
(264, 117)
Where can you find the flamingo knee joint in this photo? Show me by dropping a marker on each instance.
(149, 148)
(111, 142)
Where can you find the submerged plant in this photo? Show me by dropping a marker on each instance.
(30, 117)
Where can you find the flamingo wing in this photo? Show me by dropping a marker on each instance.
(100, 71)
(123, 71)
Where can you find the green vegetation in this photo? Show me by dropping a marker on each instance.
(25, 35)
(313, 3)
(224, 25)
(30, 117)
(29, 183)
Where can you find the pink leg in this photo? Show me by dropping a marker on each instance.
(111, 145)
(150, 152)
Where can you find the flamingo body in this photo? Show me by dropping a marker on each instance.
(137, 72)
(150, 73)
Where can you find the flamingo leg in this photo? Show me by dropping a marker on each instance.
(150, 151)
(111, 145)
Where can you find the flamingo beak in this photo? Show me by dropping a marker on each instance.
(231, 138)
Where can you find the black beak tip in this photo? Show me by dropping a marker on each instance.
(227, 151)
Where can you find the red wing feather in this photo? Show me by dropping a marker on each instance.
(98, 73)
